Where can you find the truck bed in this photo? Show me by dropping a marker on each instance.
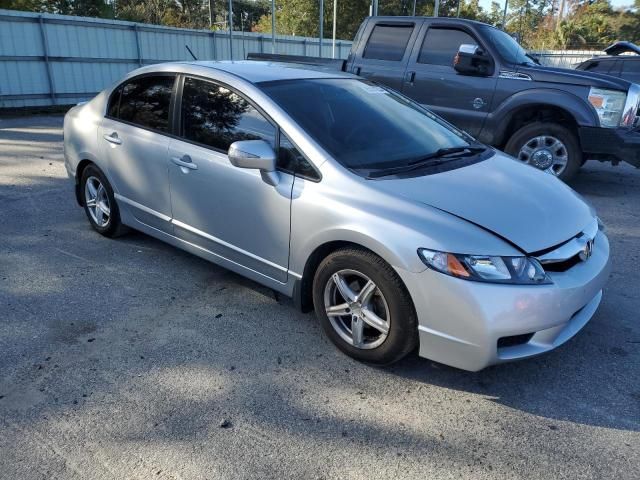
(317, 62)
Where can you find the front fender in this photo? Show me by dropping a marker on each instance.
(498, 121)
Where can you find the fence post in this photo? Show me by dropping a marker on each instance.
(135, 30)
(213, 44)
(45, 50)
(304, 47)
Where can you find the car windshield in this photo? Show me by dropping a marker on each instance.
(363, 125)
(508, 48)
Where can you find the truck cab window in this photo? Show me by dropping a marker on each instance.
(388, 42)
(441, 45)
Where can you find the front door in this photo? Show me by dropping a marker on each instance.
(229, 211)
(431, 80)
(134, 142)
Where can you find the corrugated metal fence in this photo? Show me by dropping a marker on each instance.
(60, 60)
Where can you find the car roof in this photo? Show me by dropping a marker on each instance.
(401, 18)
(613, 57)
(259, 71)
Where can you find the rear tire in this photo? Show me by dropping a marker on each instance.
(357, 325)
(540, 144)
(99, 202)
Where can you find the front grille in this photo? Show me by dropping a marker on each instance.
(514, 340)
(562, 266)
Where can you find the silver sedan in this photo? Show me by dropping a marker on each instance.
(401, 231)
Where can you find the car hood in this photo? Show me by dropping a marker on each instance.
(574, 77)
(529, 208)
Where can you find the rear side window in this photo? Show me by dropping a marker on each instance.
(114, 103)
(216, 116)
(440, 45)
(388, 42)
(145, 101)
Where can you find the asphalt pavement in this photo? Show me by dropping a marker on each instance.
(130, 359)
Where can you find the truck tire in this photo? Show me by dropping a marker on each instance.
(548, 146)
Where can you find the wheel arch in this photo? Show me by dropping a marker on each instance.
(80, 168)
(303, 288)
(539, 105)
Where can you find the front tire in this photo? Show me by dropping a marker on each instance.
(548, 146)
(99, 202)
(364, 307)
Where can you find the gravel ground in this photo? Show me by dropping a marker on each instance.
(130, 359)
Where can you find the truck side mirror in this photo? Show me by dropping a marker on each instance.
(472, 60)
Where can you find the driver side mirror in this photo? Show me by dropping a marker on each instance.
(472, 60)
(255, 154)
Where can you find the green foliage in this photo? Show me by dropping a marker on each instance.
(538, 23)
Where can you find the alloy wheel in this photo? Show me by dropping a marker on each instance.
(546, 153)
(97, 201)
(357, 309)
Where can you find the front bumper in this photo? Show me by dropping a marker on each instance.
(615, 144)
(460, 322)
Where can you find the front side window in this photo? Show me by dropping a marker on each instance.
(602, 66)
(388, 42)
(363, 125)
(291, 160)
(631, 66)
(145, 101)
(216, 116)
(441, 45)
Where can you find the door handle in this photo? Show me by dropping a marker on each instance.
(184, 162)
(410, 77)
(113, 138)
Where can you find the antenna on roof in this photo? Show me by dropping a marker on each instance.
(189, 50)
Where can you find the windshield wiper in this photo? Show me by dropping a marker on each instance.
(429, 159)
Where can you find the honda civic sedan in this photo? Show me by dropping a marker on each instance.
(399, 230)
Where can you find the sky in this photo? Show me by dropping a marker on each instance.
(486, 4)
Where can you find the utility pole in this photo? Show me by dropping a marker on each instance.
(458, 12)
(321, 34)
(436, 7)
(210, 13)
(273, 26)
(333, 48)
(230, 29)
(504, 15)
(374, 7)
(413, 13)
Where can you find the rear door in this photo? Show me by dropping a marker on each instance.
(431, 80)
(134, 141)
(384, 51)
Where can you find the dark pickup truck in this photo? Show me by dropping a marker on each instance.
(481, 80)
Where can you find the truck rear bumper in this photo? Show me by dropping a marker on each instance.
(615, 144)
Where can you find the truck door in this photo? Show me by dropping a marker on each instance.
(431, 80)
(384, 51)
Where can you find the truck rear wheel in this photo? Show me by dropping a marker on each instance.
(549, 147)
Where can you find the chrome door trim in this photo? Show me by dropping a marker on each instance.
(202, 234)
(139, 206)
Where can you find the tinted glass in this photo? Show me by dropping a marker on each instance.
(291, 160)
(215, 116)
(363, 125)
(601, 66)
(114, 103)
(441, 45)
(631, 66)
(388, 42)
(145, 101)
(507, 47)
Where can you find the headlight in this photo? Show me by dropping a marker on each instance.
(609, 105)
(486, 268)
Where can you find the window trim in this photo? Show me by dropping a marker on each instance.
(407, 50)
(171, 102)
